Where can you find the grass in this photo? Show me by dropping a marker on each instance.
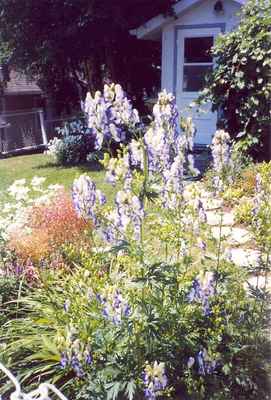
(28, 166)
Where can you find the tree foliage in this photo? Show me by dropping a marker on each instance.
(240, 86)
(72, 45)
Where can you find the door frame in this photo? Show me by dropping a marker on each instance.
(221, 26)
(203, 114)
(182, 35)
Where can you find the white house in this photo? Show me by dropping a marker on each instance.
(186, 39)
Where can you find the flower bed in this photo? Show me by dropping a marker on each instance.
(147, 310)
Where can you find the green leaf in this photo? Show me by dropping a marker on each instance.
(130, 389)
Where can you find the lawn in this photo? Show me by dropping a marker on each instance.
(41, 165)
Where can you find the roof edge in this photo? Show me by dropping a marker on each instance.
(153, 25)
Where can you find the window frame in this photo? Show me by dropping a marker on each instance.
(188, 64)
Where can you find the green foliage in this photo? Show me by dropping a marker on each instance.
(163, 325)
(73, 146)
(240, 85)
(78, 43)
(148, 310)
(11, 290)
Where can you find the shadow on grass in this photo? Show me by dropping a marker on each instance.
(84, 167)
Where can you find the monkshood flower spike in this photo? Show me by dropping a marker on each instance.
(222, 159)
(110, 115)
(205, 365)
(155, 380)
(167, 145)
(221, 149)
(87, 198)
(202, 289)
(114, 307)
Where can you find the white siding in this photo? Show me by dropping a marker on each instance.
(198, 15)
(167, 58)
(204, 13)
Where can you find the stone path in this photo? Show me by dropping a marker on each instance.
(223, 224)
(240, 248)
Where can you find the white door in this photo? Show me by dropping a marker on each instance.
(193, 62)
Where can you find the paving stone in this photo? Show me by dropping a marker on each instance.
(225, 231)
(211, 203)
(214, 218)
(259, 282)
(244, 257)
(240, 235)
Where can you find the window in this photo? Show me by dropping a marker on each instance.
(197, 62)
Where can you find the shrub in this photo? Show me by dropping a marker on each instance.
(96, 332)
(73, 146)
(240, 83)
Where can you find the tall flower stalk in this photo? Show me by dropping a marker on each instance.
(148, 168)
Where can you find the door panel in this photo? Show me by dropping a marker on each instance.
(193, 62)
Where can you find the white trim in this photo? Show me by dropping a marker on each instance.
(155, 24)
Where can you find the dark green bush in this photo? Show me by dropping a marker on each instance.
(240, 85)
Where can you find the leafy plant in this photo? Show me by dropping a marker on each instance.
(73, 145)
(148, 311)
(240, 83)
(49, 227)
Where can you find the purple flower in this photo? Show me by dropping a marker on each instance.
(86, 198)
(190, 362)
(258, 186)
(88, 358)
(200, 362)
(99, 298)
(64, 361)
(110, 115)
(105, 312)
(67, 305)
(117, 300)
(201, 245)
(129, 212)
(115, 308)
(200, 210)
(77, 367)
(155, 380)
(195, 292)
(202, 289)
(101, 197)
(206, 366)
(127, 310)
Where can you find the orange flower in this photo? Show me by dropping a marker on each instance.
(51, 226)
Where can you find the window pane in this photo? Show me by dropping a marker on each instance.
(197, 49)
(194, 77)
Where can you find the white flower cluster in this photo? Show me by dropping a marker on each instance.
(222, 159)
(221, 150)
(56, 146)
(14, 215)
(110, 115)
